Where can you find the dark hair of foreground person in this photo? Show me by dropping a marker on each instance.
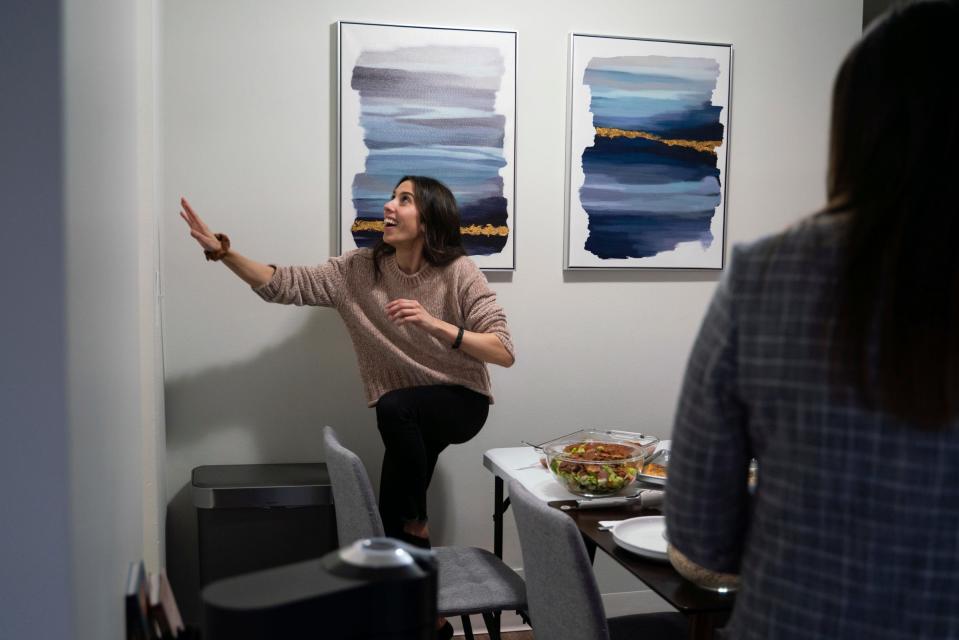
(894, 162)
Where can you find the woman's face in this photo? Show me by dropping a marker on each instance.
(401, 219)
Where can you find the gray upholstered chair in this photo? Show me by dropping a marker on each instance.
(471, 580)
(564, 599)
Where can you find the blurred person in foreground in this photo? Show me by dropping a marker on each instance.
(830, 353)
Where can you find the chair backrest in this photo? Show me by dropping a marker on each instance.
(353, 499)
(561, 590)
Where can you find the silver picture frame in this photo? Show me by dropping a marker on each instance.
(401, 129)
(619, 192)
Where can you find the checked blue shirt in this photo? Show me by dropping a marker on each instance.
(853, 531)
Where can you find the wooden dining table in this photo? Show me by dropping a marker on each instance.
(706, 610)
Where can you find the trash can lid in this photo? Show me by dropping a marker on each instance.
(261, 485)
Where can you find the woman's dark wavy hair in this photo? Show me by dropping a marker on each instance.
(441, 218)
(894, 169)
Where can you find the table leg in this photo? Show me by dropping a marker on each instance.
(590, 549)
(498, 510)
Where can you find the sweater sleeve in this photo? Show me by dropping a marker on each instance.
(481, 311)
(320, 285)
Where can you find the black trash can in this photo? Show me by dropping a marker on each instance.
(375, 589)
(257, 516)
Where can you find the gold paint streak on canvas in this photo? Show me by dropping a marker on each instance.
(706, 146)
(367, 225)
(485, 230)
(471, 230)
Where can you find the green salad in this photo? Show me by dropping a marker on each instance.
(596, 467)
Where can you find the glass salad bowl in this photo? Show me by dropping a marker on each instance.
(594, 463)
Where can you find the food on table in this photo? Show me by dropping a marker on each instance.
(595, 467)
(654, 469)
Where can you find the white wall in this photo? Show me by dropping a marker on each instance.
(247, 130)
(153, 449)
(110, 265)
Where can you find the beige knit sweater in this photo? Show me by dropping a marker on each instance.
(390, 356)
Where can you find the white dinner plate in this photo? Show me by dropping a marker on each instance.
(644, 536)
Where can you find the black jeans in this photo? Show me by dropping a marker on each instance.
(416, 424)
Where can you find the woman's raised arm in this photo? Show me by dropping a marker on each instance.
(255, 274)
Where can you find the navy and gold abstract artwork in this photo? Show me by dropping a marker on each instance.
(648, 139)
(433, 102)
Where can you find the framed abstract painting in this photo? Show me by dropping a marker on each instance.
(647, 149)
(433, 102)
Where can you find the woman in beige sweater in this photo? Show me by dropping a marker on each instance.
(423, 322)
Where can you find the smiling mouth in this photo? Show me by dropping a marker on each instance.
(389, 222)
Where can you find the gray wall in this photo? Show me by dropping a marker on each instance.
(35, 549)
(248, 133)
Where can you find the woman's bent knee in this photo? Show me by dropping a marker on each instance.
(393, 408)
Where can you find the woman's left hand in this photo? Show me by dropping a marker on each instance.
(486, 347)
(402, 311)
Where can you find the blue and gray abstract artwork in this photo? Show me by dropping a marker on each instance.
(430, 110)
(651, 176)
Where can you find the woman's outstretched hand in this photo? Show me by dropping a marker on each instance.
(255, 274)
(198, 229)
(402, 311)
